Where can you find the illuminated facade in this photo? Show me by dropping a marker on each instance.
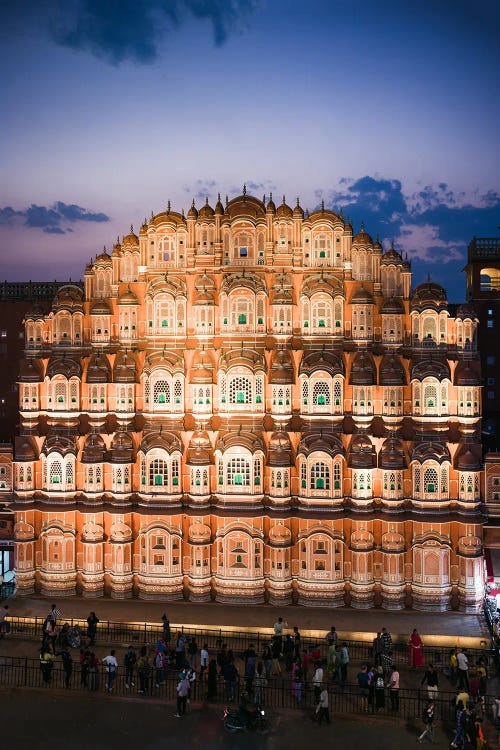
(251, 404)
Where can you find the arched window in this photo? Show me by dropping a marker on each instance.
(321, 393)
(319, 478)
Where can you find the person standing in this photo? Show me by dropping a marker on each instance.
(129, 662)
(67, 662)
(415, 650)
(159, 669)
(230, 675)
(297, 677)
(386, 640)
(317, 681)
(193, 653)
(387, 666)
(167, 636)
(259, 683)
(428, 719)
(431, 678)
(276, 653)
(461, 720)
(379, 689)
(331, 637)
(278, 627)
(180, 651)
(203, 660)
(296, 642)
(378, 648)
(344, 662)
(111, 667)
(92, 621)
(363, 685)
(143, 670)
(322, 711)
(267, 658)
(47, 658)
(54, 613)
(182, 696)
(462, 670)
(394, 689)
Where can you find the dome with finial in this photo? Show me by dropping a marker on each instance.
(280, 450)
(117, 248)
(103, 259)
(284, 211)
(94, 449)
(392, 257)
(362, 297)
(429, 295)
(363, 371)
(202, 368)
(131, 239)
(192, 213)
(125, 369)
(98, 370)
(281, 370)
(362, 237)
(219, 208)
(298, 213)
(128, 298)
(271, 208)
(361, 453)
(206, 212)
(392, 306)
(392, 454)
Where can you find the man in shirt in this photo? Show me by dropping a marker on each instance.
(428, 719)
(111, 667)
(317, 680)
(463, 670)
(378, 647)
(182, 696)
(386, 640)
(331, 636)
(279, 625)
(394, 689)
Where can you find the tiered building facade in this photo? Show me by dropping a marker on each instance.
(251, 404)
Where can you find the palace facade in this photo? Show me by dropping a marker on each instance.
(250, 403)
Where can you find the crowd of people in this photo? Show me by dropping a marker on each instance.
(312, 670)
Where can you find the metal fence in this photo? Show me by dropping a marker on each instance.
(139, 633)
(23, 672)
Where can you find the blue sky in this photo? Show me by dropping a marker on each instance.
(387, 108)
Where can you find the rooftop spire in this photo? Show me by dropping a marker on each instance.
(322, 204)
(244, 190)
(168, 207)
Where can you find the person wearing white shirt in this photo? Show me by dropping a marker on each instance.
(317, 680)
(322, 707)
(111, 667)
(279, 625)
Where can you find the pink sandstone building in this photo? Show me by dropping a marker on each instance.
(250, 404)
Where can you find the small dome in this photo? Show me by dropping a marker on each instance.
(279, 535)
(271, 208)
(122, 448)
(427, 295)
(391, 257)
(202, 368)
(131, 240)
(392, 371)
(362, 297)
(128, 298)
(468, 461)
(204, 297)
(199, 450)
(98, 370)
(125, 368)
(361, 453)
(362, 237)
(284, 211)
(392, 307)
(465, 312)
(199, 533)
(392, 455)
(24, 449)
(219, 208)
(281, 370)
(465, 375)
(206, 212)
(31, 371)
(280, 450)
(363, 370)
(431, 368)
(117, 250)
(192, 213)
(94, 449)
(101, 308)
(330, 362)
(298, 213)
(282, 297)
(35, 313)
(430, 450)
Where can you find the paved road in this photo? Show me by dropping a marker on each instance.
(44, 721)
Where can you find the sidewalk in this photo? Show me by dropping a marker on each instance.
(437, 628)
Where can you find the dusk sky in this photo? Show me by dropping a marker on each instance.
(389, 109)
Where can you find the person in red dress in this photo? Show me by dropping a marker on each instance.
(415, 650)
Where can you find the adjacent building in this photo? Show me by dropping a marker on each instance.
(250, 403)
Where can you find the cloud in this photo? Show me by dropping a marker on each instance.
(433, 224)
(118, 30)
(50, 219)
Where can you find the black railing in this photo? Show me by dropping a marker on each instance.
(22, 672)
(139, 633)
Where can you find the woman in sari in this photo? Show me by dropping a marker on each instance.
(415, 650)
